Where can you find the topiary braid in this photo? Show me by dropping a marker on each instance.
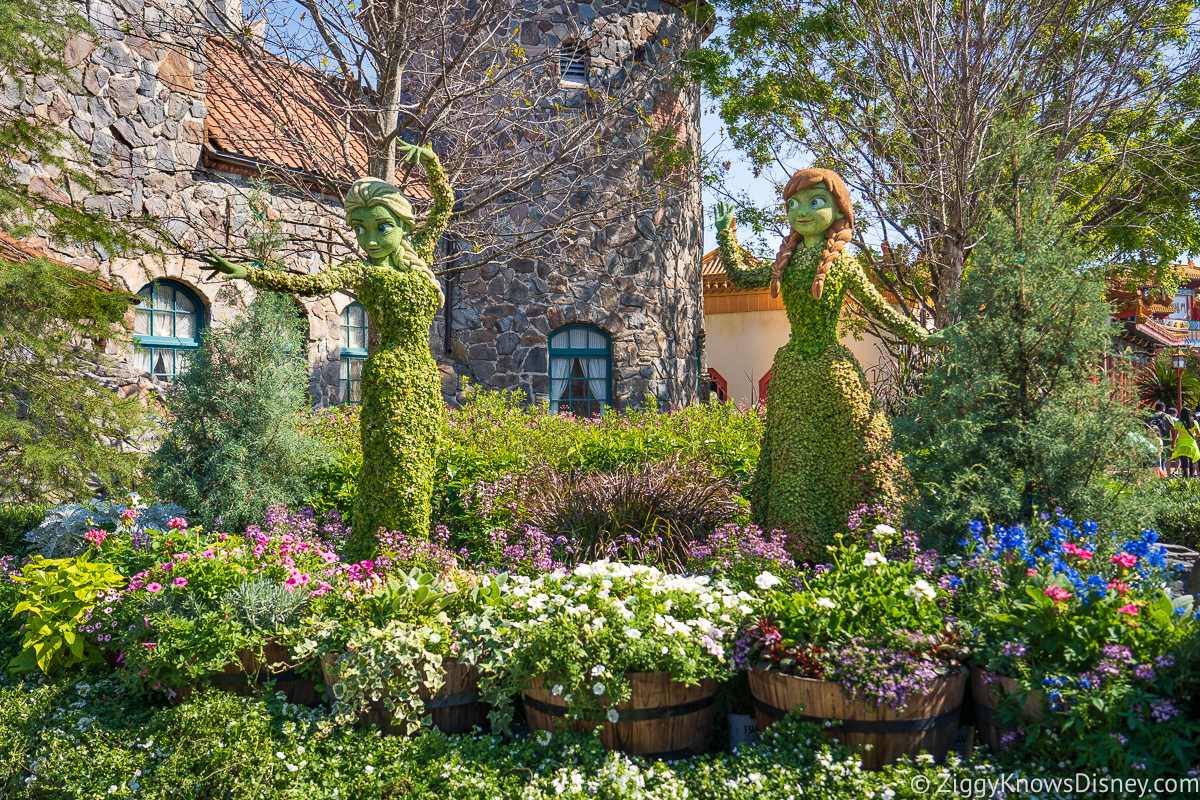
(836, 236)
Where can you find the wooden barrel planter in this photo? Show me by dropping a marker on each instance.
(989, 689)
(928, 722)
(663, 718)
(249, 676)
(454, 708)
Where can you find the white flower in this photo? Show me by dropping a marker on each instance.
(825, 602)
(766, 580)
(921, 589)
(953, 561)
(434, 638)
(664, 650)
(112, 790)
(280, 755)
(369, 769)
(883, 530)
(633, 633)
(888, 794)
(597, 671)
(871, 559)
(925, 758)
(613, 716)
(543, 737)
(567, 698)
(557, 690)
(292, 767)
(597, 688)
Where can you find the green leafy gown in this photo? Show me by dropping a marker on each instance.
(827, 444)
(403, 414)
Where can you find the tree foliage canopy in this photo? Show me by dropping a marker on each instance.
(1020, 414)
(922, 105)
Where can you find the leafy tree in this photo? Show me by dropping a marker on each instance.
(59, 427)
(1019, 416)
(236, 446)
(920, 106)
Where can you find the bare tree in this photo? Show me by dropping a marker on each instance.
(543, 141)
(933, 109)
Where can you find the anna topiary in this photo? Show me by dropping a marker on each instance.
(403, 415)
(827, 445)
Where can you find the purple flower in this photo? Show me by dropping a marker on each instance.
(1143, 672)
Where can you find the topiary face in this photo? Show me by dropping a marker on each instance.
(811, 211)
(379, 233)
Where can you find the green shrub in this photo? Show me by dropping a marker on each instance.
(495, 433)
(17, 519)
(235, 446)
(1017, 417)
(1176, 506)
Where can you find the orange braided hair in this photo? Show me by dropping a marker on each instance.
(836, 237)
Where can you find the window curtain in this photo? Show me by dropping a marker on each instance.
(597, 375)
(560, 373)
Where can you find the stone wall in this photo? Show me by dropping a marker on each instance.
(138, 110)
(637, 276)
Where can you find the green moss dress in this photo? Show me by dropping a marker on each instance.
(403, 414)
(827, 444)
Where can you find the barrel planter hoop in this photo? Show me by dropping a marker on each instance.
(663, 718)
(989, 689)
(927, 723)
(454, 708)
(249, 675)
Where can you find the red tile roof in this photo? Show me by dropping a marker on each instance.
(268, 112)
(15, 251)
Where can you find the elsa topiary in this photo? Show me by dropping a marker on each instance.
(402, 411)
(827, 445)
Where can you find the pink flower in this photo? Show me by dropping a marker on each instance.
(177, 523)
(1029, 573)
(1130, 609)
(1126, 560)
(1057, 593)
(181, 581)
(154, 587)
(208, 554)
(1118, 587)
(129, 514)
(181, 556)
(329, 557)
(149, 644)
(96, 537)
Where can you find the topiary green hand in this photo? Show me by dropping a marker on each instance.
(414, 153)
(726, 216)
(222, 265)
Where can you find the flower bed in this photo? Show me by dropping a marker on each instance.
(1078, 639)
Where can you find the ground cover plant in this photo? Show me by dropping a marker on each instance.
(86, 738)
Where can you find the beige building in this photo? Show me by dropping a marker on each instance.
(744, 329)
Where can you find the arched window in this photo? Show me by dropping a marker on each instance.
(580, 371)
(166, 328)
(354, 352)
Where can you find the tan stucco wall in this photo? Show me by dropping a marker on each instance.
(742, 345)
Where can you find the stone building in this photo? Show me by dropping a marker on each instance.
(605, 322)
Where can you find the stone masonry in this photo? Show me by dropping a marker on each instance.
(138, 109)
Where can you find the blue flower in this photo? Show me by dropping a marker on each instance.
(1090, 527)
(1181, 610)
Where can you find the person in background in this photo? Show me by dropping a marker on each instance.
(1186, 450)
(1172, 417)
(1160, 425)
